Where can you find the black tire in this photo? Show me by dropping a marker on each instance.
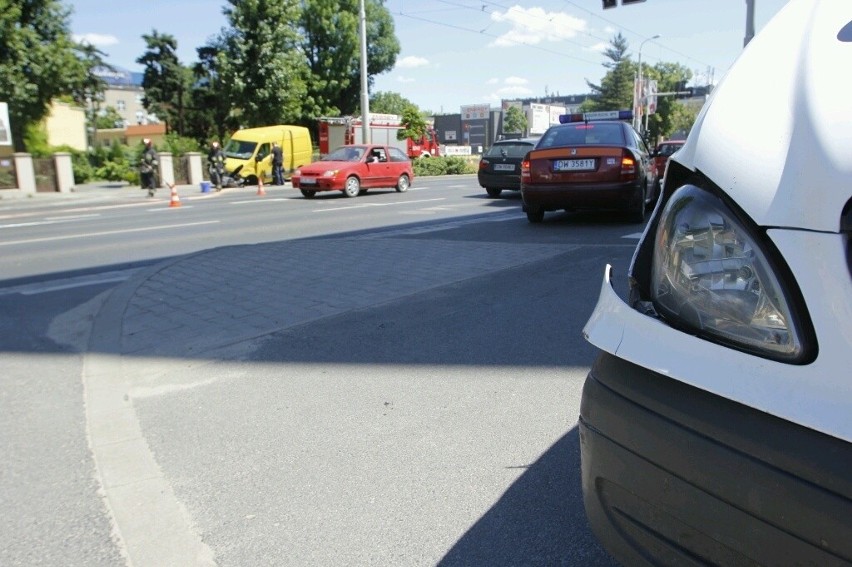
(535, 215)
(492, 192)
(637, 214)
(308, 194)
(403, 183)
(352, 187)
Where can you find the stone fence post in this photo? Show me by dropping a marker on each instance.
(196, 176)
(167, 169)
(25, 172)
(64, 172)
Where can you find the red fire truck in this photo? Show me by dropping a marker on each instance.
(337, 131)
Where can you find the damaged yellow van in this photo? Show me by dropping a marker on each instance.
(249, 151)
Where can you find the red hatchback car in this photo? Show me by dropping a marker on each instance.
(353, 169)
(589, 161)
(661, 156)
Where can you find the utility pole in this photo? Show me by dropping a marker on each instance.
(640, 96)
(365, 93)
(749, 32)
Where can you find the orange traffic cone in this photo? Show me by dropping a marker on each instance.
(175, 200)
(260, 190)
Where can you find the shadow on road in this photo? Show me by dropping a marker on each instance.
(543, 506)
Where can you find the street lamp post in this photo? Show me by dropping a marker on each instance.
(637, 117)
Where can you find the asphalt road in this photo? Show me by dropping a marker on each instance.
(437, 428)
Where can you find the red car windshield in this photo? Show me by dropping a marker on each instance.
(352, 153)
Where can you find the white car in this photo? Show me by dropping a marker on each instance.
(716, 423)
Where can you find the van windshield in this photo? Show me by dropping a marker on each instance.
(240, 149)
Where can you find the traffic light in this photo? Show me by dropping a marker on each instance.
(614, 3)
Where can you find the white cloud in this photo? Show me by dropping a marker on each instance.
(515, 81)
(514, 91)
(96, 39)
(511, 87)
(411, 62)
(600, 47)
(404, 79)
(532, 26)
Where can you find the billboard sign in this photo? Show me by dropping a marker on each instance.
(475, 111)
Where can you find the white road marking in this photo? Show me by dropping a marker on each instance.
(363, 205)
(70, 283)
(104, 233)
(42, 223)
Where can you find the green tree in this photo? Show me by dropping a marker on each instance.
(262, 70)
(165, 80)
(210, 113)
(331, 44)
(671, 114)
(616, 89)
(90, 93)
(108, 118)
(413, 125)
(389, 103)
(39, 61)
(515, 120)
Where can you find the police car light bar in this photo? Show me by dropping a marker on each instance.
(591, 116)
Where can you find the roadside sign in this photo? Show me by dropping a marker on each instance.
(5, 130)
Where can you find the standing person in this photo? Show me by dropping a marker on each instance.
(277, 164)
(147, 168)
(216, 165)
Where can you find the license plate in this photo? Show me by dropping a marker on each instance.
(504, 167)
(574, 165)
(308, 181)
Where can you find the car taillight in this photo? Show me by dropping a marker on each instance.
(628, 167)
(525, 170)
(483, 164)
(712, 275)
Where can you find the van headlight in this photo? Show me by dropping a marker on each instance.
(712, 276)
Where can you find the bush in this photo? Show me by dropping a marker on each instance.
(449, 165)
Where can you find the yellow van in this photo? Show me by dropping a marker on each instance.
(250, 150)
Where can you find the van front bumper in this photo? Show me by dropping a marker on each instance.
(674, 475)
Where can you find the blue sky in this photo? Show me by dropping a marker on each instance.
(460, 52)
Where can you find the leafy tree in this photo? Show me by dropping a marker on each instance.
(515, 120)
(616, 89)
(90, 93)
(389, 103)
(413, 125)
(331, 44)
(210, 112)
(671, 114)
(108, 118)
(165, 80)
(261, 68)
(39, 61)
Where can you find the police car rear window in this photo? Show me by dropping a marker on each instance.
(583, 134)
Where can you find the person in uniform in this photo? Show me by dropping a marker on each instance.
(277, 164)
(216, 165)
(148, 168)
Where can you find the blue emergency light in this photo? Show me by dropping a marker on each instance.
(592, 116)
